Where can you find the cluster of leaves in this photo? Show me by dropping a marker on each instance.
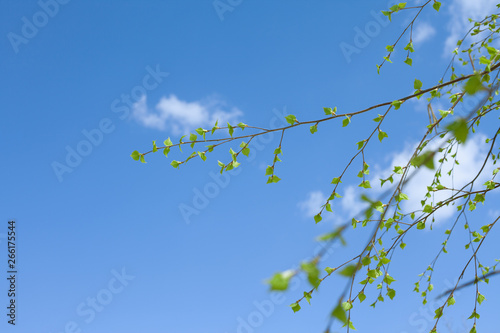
(391, 221)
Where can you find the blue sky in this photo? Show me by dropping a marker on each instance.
(107, 244)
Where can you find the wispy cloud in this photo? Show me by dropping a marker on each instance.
(312, 205)
(422, 32)
(181, 117)
(471, 157)
(460, 12)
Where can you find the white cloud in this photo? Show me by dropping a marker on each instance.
(423, 31)
(461, 11)
(312, 205)
(181, 117)
(470, 156)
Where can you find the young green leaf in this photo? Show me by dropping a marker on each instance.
(339, 314)
(291, 119)
(381, 135)
(348, 271)
(397, 104)
(473, 85)
(436, 5)
(168, 143)
(336, 180)
(135, 155)
(346, 121)
(308, 297)
(417, 84)
(459, 129)
(329, 270)
(280, 281)
(295, 307)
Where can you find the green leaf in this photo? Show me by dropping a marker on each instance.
(388, 14)
(313, 129)
(417, 84)
(245, 151)
(336, 180)
(175, 164)
(382, 135)
(408, 61)
(362, 297)
(202, 155)
(295, 307)
(155, 149)
(409, 47)
(215, 127)
(348, 271)
(242, 125)
(426, 159)
(291, 119)
(339, 314)
(459, 129)
(317, 218)
(391, 293)
(438, 312)
(269, 170)
(231, 129)
(180, 142)
(168, 143)
(166, 150)
(436, 5)
(280, 281)
(374, 273)
(273, 179)
(200, 131)
(401, 196)
(346, 121)
(328, 111)
(451, 301)
(346, 306)
(329, 270)
(389, 48)
(473, 85)
(474, 315)
(135, 155)
(142, 158)
(312, 272)
(388, 279)
(308, 297)
(365, 184)
(480, 298)
(396, 104)
(366, 261)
